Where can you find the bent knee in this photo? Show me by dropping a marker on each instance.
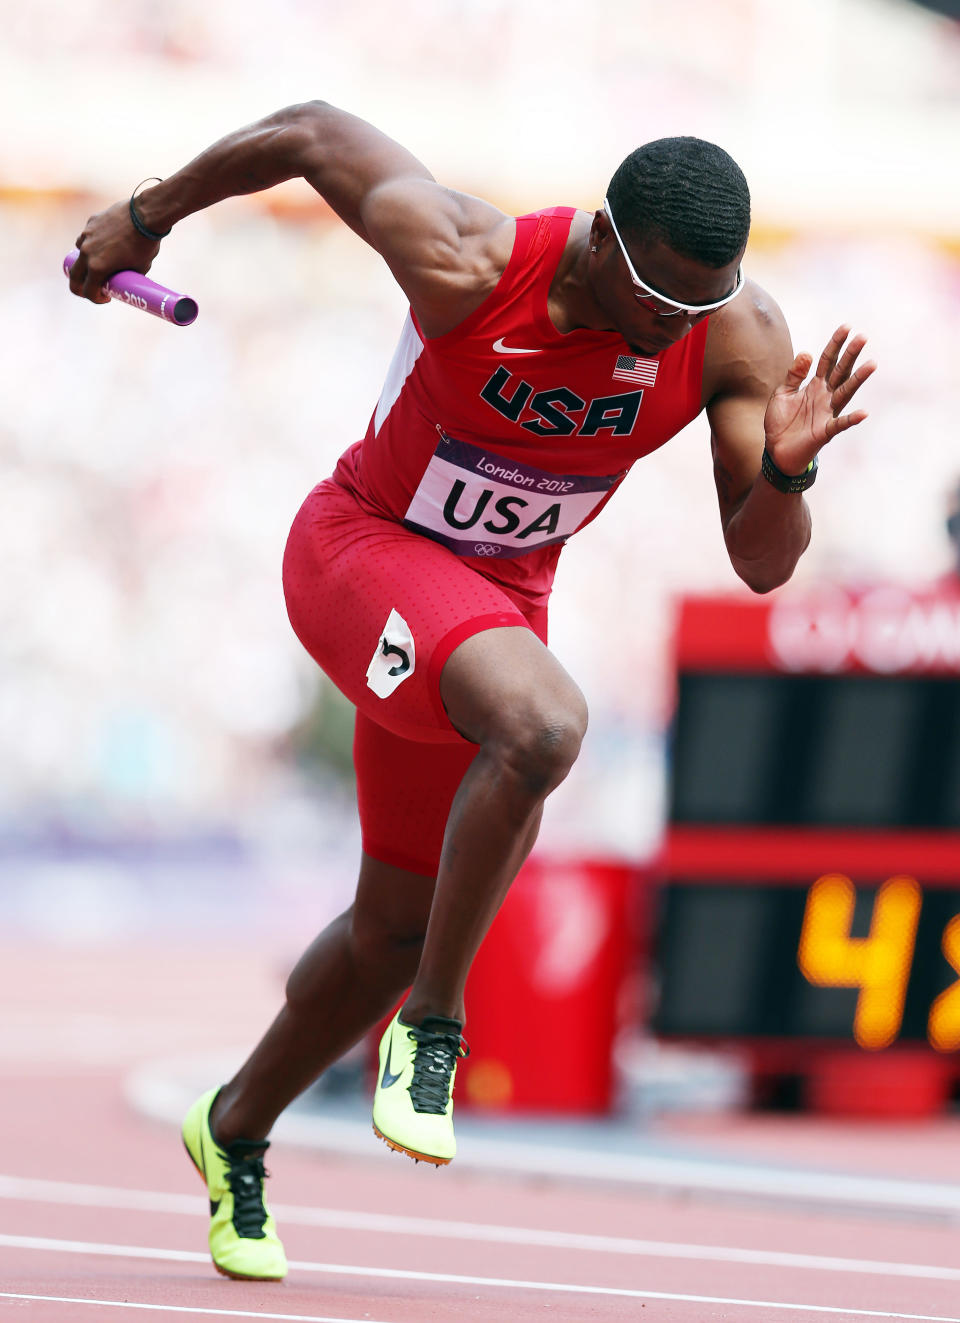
(541, 743)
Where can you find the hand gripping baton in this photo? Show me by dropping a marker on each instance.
(132, 288)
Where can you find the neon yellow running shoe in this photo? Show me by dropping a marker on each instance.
(413, 1105)
(243, 1237)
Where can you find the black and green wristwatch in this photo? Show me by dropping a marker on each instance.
(787, 482)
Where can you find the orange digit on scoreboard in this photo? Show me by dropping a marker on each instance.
(878, 964)
(943, 1026)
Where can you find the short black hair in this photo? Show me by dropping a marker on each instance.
(686, 192)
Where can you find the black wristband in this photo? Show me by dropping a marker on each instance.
(786, 482)
(135, 219)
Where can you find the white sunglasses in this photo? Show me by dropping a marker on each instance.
(659, 303)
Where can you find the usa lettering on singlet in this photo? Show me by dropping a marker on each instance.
(479, 504)
(503, 437)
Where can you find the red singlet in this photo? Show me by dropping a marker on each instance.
(489, 447)
(503, 436)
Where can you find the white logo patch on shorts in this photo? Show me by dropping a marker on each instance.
(395, 657)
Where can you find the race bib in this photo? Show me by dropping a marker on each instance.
(479, 504)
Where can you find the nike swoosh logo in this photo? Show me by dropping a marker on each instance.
(501, 348)
(388, 1077)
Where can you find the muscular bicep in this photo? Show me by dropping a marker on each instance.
(446, 250)
(346, 160)
(441, 245)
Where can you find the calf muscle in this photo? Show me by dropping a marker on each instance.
(516, 701)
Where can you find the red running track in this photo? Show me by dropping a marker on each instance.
(102, 1217)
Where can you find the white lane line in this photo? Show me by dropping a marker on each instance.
(97, 1196)
(164, 1091)
(182, 1309)
(102, 1196)
(456, 1279)
(108, 1251)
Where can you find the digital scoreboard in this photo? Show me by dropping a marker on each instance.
(811, 889)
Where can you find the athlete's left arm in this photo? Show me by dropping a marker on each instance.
(756, 397)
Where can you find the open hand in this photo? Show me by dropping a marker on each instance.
(801, 419)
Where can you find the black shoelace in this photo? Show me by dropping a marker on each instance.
(433, 1064)
(246, 1177)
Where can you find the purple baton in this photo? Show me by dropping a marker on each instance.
(136, 290)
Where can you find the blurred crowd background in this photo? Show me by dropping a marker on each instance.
(153, 695)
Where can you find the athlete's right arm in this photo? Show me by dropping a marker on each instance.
(446, 250)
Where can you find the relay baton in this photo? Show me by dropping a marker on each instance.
(137, 291)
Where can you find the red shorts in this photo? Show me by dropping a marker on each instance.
(380, 609)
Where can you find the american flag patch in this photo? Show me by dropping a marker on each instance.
(641, 370)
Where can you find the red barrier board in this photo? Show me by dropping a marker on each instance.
(551, 987)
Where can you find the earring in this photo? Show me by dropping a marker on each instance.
(594, 249)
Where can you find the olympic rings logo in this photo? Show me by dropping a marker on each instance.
(485, 549)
